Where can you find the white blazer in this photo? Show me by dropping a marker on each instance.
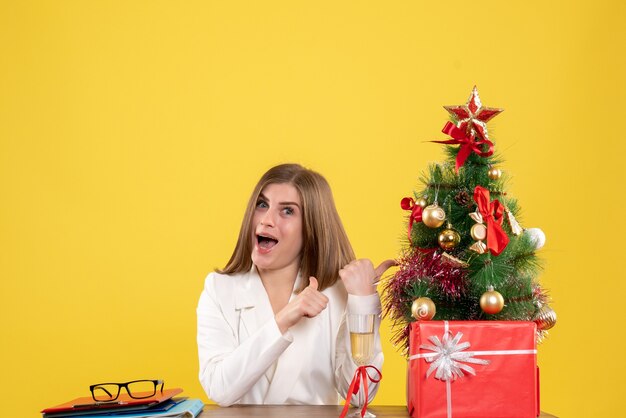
(245, 359)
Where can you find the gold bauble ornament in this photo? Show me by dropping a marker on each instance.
(491, 302)
(545, 318)
(478, 232)
(421, 202)
(433, 216)
(423, 309)
(449, 238)
(494, 173)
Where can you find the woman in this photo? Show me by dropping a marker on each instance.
(271, 324)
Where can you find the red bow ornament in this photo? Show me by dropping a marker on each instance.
(493, 215)
(408, 203)
(360, 375)
(468, 144)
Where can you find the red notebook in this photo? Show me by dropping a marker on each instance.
(87, 403)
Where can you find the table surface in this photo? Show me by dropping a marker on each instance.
(312, 411)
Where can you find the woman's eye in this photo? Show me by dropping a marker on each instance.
(261, 204)
(288, 210)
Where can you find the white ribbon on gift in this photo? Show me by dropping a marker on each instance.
(448, 358)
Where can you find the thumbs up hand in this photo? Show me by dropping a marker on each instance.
(309, 303)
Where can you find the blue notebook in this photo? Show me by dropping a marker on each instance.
(174, 408)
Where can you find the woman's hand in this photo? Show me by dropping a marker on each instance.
(308, 303)
(360, 275)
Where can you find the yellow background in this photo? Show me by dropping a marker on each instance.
(131, 134)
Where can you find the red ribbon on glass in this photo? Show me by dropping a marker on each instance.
(408, 203)
(492, 213)
(360, 375)
(468, 144)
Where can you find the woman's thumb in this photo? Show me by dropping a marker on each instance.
(313, 283)
(384, 266)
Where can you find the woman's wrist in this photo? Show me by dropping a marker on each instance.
(283, 322)
(366, 290)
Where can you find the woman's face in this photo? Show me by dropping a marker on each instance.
(277, 228)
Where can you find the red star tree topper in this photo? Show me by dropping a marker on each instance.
(473, 117)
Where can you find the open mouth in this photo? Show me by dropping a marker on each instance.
(266, 242)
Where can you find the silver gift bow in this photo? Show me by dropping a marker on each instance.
(448, 357)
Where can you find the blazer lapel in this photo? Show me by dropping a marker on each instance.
(244, 304)
(253, 306)
(252, 302)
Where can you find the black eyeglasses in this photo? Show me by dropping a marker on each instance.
(137, 389)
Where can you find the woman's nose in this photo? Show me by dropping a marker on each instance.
(268, 218)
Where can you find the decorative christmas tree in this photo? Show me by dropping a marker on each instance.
(467, 257)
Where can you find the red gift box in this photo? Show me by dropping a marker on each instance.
(473, 369)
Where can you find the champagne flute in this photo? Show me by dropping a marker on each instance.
(361, 328)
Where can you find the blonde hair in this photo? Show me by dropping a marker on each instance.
(326, 247)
